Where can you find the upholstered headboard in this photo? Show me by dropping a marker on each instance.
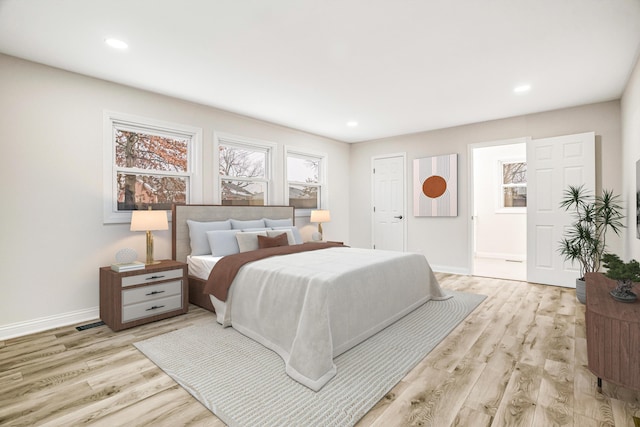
(180, 246)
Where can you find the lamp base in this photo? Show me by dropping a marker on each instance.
(150, 260)
(316, 236)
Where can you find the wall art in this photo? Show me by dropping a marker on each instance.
(435, 186)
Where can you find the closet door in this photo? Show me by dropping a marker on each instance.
(553, 164)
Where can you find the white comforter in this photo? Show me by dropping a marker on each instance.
(309, 307)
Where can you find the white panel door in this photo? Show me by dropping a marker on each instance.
(389, 203)
(553, 164)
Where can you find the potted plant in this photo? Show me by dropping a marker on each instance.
(625, 273)
(584, 242)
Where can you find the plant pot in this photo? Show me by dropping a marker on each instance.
(581, 291)
(622, 291)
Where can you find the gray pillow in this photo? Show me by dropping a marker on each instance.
(249, 241)
(278, 222)
(198, 234)
(223, 242)
(296, 233)
(253, 223)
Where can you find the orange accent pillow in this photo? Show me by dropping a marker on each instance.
(272, 242)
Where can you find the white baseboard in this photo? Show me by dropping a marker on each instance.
(503, 256)
(19, 329)
(450, 270)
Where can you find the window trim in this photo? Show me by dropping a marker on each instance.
(322, 177)
(111, 119)
(500, 207)
(221, 138)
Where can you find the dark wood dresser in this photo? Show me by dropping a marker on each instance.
(613, 334)
(141, 296)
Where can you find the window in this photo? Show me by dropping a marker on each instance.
(244, 170)
(148, 165)
(514, 185)
(305, 181)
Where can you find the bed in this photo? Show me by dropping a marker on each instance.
(307, 306)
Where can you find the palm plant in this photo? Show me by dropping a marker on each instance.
(584, 242)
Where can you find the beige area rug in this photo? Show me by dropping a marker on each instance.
(244, 383)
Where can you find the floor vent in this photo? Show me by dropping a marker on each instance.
(90, 325)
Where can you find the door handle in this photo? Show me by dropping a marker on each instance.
(398, 217)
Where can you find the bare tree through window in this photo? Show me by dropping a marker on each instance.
(243, 175)
(514, 184)
(147, 167)
(303, 176)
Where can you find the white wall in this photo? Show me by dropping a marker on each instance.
(499, 234)
(53, 237)
(445, 241)
(630, 155)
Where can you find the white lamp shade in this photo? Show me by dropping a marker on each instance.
(149, 220)
(321, 215)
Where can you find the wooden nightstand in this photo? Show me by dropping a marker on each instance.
(137, 297)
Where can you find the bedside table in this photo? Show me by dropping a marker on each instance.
(133, 298)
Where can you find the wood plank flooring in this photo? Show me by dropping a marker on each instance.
(518, 360)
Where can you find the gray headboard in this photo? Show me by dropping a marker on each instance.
(180, 246)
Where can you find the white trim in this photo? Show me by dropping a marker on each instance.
(450, 270)
(323, 178)
(502, 256)
(470, 200)
(19, 329)
(270, 175)
(109, 119)
(406, 196)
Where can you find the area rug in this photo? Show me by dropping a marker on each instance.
(244, 383)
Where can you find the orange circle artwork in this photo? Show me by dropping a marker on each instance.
(434, 186)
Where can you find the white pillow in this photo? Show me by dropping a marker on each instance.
(289, 233)
(223, 242)
(296, 233)
(248, 241)
(198, 234)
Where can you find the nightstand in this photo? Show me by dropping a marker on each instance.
(137, 297)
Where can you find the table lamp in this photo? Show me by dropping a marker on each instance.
(149, 221)
(319, 216)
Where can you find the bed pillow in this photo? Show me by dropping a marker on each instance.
(223, 242)
(275, 233)
(253, 223)
(273, 242)
(198, 234)
(295, 231)
(278, 222)
(248, 241)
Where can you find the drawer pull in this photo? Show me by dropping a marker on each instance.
(154, 277)
(155, 307)
(154, 293)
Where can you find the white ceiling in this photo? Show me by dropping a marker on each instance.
(394, 66)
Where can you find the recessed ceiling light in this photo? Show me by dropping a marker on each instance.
(115, 43)
(352, 123)
(522, 88)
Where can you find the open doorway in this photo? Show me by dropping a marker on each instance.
(499, 196)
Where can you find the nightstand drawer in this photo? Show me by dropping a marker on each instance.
(151, 308)
(148, 293)
(151, 277)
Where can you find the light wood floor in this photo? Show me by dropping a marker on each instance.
(518, 360)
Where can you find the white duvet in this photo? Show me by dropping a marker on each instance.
(309, 307)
